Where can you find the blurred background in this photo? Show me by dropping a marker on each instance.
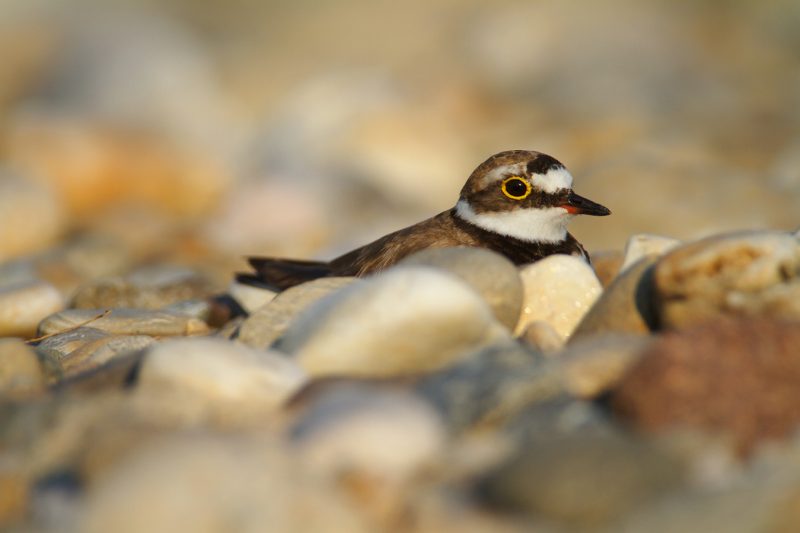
(201, 131)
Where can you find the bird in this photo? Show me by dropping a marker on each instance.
(516, 203)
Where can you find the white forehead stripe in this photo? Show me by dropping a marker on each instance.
(536, 225)
(555, 179)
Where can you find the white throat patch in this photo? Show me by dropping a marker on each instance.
(535, 225)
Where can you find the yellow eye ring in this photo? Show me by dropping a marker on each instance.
(516, 188)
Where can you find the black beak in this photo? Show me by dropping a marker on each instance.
(578, 205)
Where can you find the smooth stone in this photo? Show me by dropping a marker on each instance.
(492, 275)
(607, 265)
(97, 353)
(21, 374)
(582, 478)
(407, 320)
(18, 272)
(199, 309)
(23, 306)
(214, 370)
(541, 336)
(249, 297)
(124, 322)
(559, 290)
(31, 215)
(646, 245)
(57, 347)
(270, 321)
(593, 366)
(96, 256)
(204, 484)
(556, 417)
(369, 428)
(736, 378)
(148, 288)
(490, 386)
(626, 306)
(84, 349)
(746, 273)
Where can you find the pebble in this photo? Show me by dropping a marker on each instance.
(489, 386)
(559, 290)
(124, 322)
(21, 374)
(646, 245)
(746, 273)
(150, 288)
(369, 428)
(491, 275)
(607, 265)
(20, 232)
(23, 306)
(270, 321)
(206, 483)
(591, 367)
(408, 320)
(216, 371)
(79, 351)
(734, 377)
(249, 297)
(581, 478)
(626, 306)
(541, 336)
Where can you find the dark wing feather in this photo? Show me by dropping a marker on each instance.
(279, 274)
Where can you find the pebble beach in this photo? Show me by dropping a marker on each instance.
(146, 150)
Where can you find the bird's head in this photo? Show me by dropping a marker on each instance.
(523, 194)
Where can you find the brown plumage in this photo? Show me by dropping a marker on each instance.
(482, 195)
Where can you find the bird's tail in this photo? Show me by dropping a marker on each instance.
(279, 274)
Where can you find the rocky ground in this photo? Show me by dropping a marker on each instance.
(453, 391)
(146, 148)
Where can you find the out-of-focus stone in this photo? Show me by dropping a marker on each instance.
(81, 260)
(748, 273)
(559, 290)
(370, 429)
(149, 288)
(644, 245)
(543, 337)
(21, 374)
(124, 322)
(218, 372)
(493, 276)
(270, 321)
(23, 306)
(96, 168)
(204, 483)
(31, 217)
(249, 297)
(581, 478)
(626, 306)
(490, 386)
(14, 488)
(732, 377)
(591, 367)
(404, 321)
(607, 266)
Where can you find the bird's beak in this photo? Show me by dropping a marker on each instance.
(578, 205)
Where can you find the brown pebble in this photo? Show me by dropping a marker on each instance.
(734, 376)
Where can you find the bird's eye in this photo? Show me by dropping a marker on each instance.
(516, 188)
